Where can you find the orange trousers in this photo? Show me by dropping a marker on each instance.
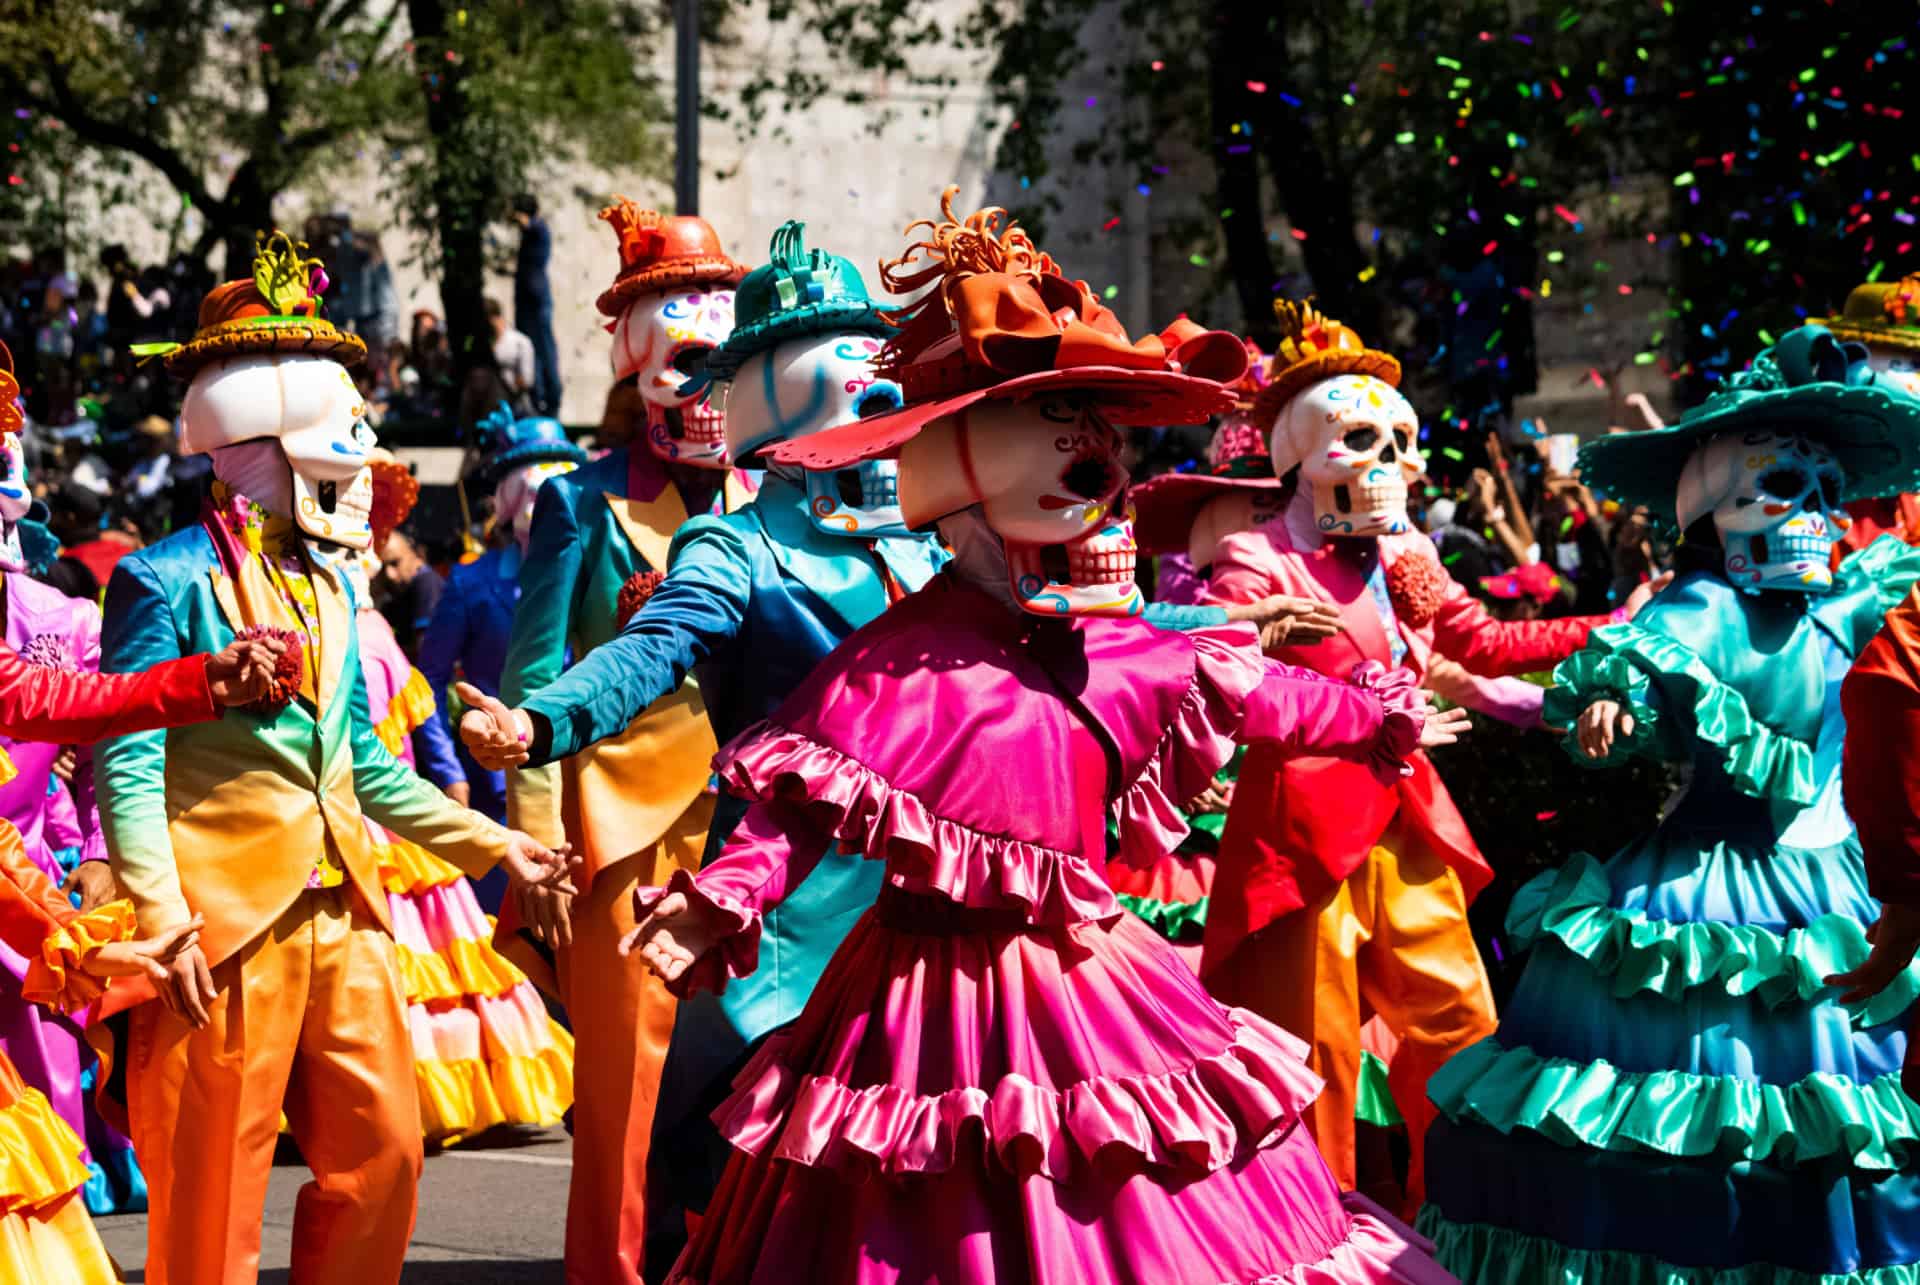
(622, 1018)
(1390, 940)
(310, 1014)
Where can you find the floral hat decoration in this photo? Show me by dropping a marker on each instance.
(661, 252)
(1313, 347)
(1882, 312)
(276, 310)
(995, 317)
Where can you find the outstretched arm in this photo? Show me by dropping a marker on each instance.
(1379, 717)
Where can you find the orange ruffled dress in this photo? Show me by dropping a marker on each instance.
(485, 1051)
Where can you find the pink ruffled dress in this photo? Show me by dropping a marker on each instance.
(485, 1052)
(1001, 1077)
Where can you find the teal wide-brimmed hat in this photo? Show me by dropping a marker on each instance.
(1809, 384)
(796, 293)
(511, 442)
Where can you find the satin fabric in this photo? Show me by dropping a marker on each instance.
(310, 1015)
(1726, 1086)
(469, 632)
(1387, 940)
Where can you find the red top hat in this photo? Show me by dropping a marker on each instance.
(659, 252)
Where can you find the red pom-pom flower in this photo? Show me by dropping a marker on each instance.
(634, 594)
(288, 671)
(1417, 585)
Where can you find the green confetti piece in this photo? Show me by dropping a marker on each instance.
(1404, 136)
(1645, 358)
(1799, 214)
(1766, 336)
(1684, 179)
(1444, 61)
(1453, 453)
(1878, 268)
(1110, 292)
(1514, 219)
(1197, 260)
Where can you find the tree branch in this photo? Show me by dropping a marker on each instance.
(100, 132)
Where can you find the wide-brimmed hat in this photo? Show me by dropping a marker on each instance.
(1886, 313)
(796, 293)
(277, 310)
(1314, 347)
(661, 252)
(1166, 506)
(1810, 384)
(512, 442)
(1001, 321)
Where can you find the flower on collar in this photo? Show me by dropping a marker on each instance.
(1417, 586)
(634, 594)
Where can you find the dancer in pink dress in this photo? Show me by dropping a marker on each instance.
(1001, 1077)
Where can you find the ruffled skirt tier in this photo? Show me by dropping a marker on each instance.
(45, 1234)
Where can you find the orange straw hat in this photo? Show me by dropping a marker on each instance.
(660, 252)
(277, 310)
(1314, 347)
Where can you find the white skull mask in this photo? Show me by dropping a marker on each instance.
(1896, 369)
(16, 501)
(310, 406)
(1775, 501)
(1355, 439)
(1046, 474)
(513, 501)
(803, 386)
(663, 341)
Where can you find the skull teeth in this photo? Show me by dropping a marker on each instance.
(703, 425)
(1100, 566)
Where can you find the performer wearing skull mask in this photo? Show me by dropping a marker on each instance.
(750, 603)
(255, 823)
(1885, 316)
(1335, 890)
(1675, 1091)
(1000, 1076)
(637, 805)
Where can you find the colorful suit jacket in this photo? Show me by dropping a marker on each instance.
(225, 819)
(592, 530)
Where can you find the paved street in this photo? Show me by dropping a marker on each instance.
(491, 1214)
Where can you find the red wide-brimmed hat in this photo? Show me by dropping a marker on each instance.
(660, 252)
(1000, 321)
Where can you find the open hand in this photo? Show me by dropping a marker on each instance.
(1896, 939)
(93, 880)
(242, 672)
(1644, 592)
(1600, 725)
(1444, 727)
(542, 885)
(149, 957)
(673, 934)
(1215, 799)
(185, 982)
(1282, 619)
(496, 736)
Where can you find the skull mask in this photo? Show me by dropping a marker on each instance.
(1775, 501)
(16, 501)
(1895, 369)
(1047, 476)
(663, 341)
(805, 385)
(310, 407)
(1353, 437)
(513, 501)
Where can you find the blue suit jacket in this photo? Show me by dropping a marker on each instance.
(471, 629)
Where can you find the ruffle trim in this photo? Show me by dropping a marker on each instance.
(408, 869)
(1379, 1250)
(1201, 739)
(1761, 762)
(870, 816)
(1678, 1113)
(1669, 959)
(1171, 919)
(58, 978)
(464, 968)
(1194, 1120)
(1404, 717)
(1490, 1255)
(39, 1155)
(459, 1099)
(409, 710)
(1892, 565)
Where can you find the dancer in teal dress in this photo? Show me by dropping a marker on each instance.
(1675, 1096)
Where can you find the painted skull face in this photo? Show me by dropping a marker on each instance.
(801, 387)
(514, 500)
(1356, 439)
(15, 501)
(1047, 476)
(1895, 368)
(1775, 501)
(662, 341)
(310, 405)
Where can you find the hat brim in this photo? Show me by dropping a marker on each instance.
(1129, 398)
(662, 277)
(1339, 361)
(1164, 507)
(799, 323)
(1874, 434)
(532, 453)
(1907, 337)
(293, 338)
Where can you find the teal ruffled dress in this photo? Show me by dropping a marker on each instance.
(1673, 1096)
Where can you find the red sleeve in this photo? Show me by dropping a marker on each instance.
(1467, 634)
(74, 708)
(1881, 766)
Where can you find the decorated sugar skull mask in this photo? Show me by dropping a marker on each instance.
(802, 386)
(662, 341)
(1895, 368)
(1355, 439)
(1775, 502)
(1047, 476)
(310, 407)
(513, 501)
(16, 501)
